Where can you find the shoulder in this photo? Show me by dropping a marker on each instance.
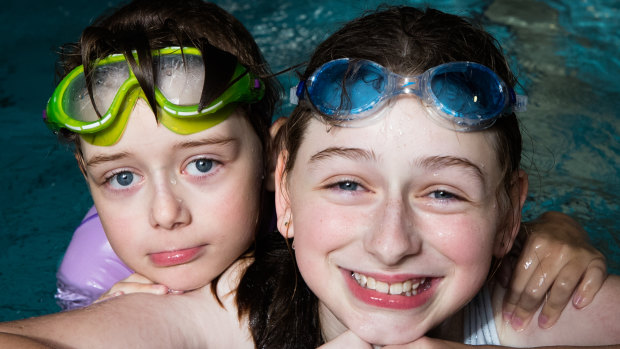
(596, 324)
(218, 318)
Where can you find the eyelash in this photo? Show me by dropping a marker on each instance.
(441, 192)
(108, 181)
(452, 196)
(215, 165)
(336, 186)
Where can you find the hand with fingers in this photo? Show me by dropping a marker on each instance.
(136, 283)
(556, 265)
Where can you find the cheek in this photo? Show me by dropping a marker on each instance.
(324, 227)
(231, 214)
(239, 203)
(124, 234)
(233, 221)
(469, 248)
(466, 240)
(322, 232)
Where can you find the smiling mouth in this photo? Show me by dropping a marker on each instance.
(409, 287)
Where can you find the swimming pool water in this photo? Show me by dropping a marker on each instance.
(565, 53)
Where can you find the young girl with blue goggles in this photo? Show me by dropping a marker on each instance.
(406, 143)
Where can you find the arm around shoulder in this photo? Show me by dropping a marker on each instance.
(596, 324)
(195, 319)
(8, 340)
(136, 320)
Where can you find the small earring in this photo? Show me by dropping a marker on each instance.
(286, 224)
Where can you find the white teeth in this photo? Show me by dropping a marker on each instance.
(361, 279)
(407, 288)
(396, 288)
(370, 283)
(382, 287)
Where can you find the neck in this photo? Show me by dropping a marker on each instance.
(450, 329)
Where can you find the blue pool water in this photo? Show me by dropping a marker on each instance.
(565, 53)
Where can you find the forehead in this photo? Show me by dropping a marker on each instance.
(405, 132)
(143, 134)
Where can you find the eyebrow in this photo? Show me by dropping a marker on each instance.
(441, 162)
(206, 141)
(431, 163)
(349, 153)
(99, 159)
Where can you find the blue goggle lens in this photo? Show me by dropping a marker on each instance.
(342, 89)
(468, 94)
(468, 91)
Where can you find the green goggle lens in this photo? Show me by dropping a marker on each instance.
(179, 84)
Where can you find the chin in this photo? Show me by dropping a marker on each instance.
(184, 282)
(387, 334)
(391, 338)
(184, 286)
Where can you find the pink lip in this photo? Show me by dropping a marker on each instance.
(390, 301)
(170, 258)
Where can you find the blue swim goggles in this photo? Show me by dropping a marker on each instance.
(469, 95)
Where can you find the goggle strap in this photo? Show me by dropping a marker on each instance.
(520, 103)
(293, 94)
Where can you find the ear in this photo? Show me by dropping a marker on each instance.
(283, 204)
(518, 193)
(273, 153)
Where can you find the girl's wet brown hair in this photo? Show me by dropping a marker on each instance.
(144, 25)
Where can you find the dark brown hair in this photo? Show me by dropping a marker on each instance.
(407, 41)
(145, 25)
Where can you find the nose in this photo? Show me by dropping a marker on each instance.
(393, 238)
(168, 210)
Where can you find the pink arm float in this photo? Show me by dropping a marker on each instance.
(89, 267)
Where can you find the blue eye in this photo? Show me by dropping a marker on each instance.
(122, 179)
(348, 185)
(200, 166)
(204, 165)
(442, 195)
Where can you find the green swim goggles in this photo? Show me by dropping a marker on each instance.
(178, 88)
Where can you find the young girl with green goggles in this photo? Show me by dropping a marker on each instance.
(175, 200)
(169, 107)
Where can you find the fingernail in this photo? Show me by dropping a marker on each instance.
(542, 321)
(578, 300)
(516, 323)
